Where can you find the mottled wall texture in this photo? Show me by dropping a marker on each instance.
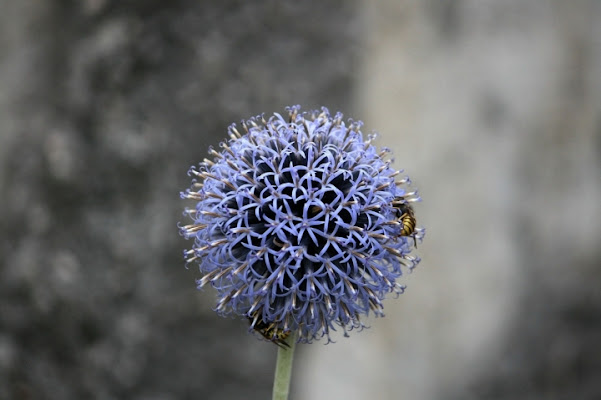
(492, 107)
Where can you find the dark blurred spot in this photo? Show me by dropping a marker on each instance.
(447, 14)
(492, 110)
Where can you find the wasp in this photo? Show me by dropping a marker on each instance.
(269, 331)
(406, 217)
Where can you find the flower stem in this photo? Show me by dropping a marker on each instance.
(283, 369)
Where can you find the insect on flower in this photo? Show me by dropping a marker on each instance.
(406, 218)
(300, 224)
(269, 331)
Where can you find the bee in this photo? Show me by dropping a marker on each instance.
(269, 331)
(405, 216)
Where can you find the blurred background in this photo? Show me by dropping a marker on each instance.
(492, 107)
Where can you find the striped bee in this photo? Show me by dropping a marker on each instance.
(269, 331)
(405, 215)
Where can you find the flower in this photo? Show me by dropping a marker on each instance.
(300, 224)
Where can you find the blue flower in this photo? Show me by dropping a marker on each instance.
(300, 224)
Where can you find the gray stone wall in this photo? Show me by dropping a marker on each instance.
(494, 110)
(104, 106)
(492, 107)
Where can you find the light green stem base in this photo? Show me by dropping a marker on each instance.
(283, 369)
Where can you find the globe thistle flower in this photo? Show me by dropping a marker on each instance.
(300, 224)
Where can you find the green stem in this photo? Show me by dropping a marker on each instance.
(283, 369)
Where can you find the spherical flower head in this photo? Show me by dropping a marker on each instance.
(300, 224)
